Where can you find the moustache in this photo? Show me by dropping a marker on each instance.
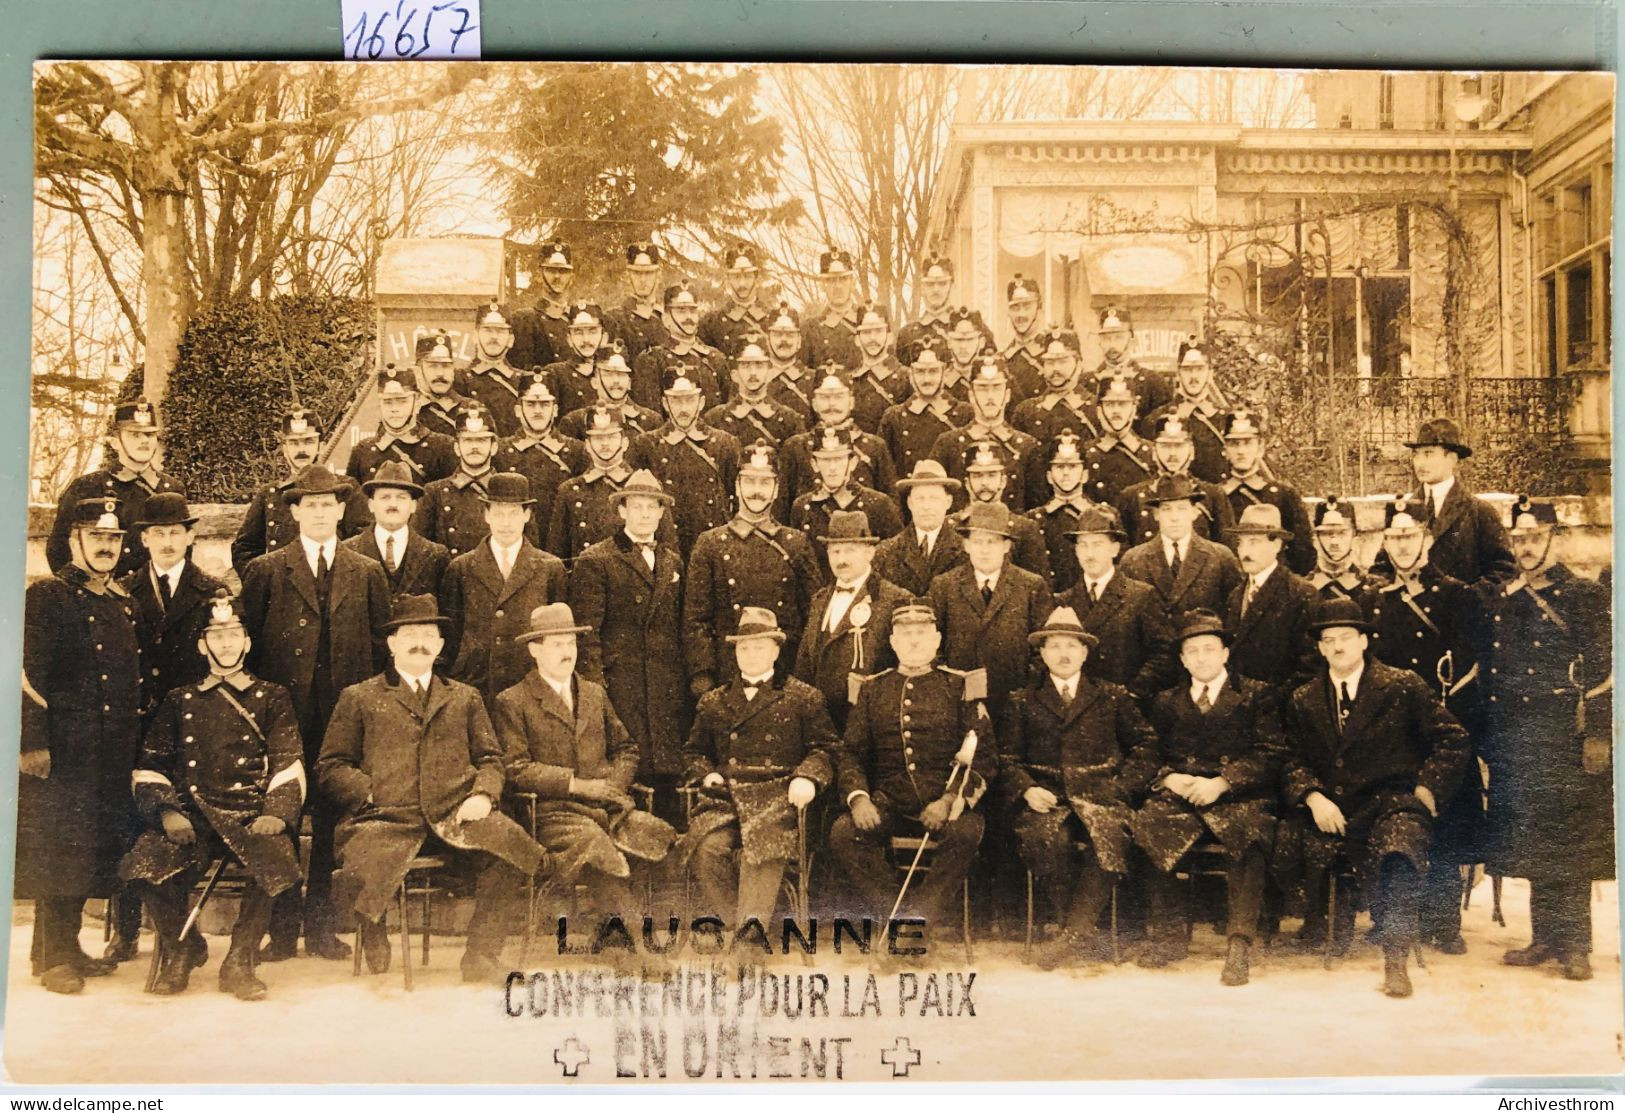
(419, 651)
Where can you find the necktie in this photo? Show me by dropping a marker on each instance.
(389, 551)
(987, 591)
(925, 545)
(647, 548)
(1066, 693)
(166, 591)
(1430, 506)
(1203, 703)
(1343, 702)
(1174, 564)
(1247, 596)
(504, 565)
(321, 571)
(1094, 592)
(750, 692)
(423, 692)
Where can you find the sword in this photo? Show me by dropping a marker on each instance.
(960, 771)
(1445, 670)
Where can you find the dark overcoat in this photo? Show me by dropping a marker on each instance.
(635, 645)
(1207, 576)
(1298, 553)
(488, 612)
(1028, 549)
(546, 462)
(583, 513)
(899, 560)
(1136, 646)
(1214, 518)
(1469, 541)
(992, 634)
(826, 659)
(168, 634)
(419, 571)
(452, 513)
(268, 524)
(1272, 642)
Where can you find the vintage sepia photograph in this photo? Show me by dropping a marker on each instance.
(663, 573)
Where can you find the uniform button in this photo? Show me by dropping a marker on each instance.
(499, 614)
(908, 749)
(1526, 699)
(1419, 633)
(192, 763)
(908, 703)
(90, 618)
(1498, 618)
(1537, 643)
(188, 715)
(298, 652)
(106, 707)
(191, 788)
(1494, 670)
(730, 582)
(99, 646)
(911, 767)
(155, 672)
(1338, 791)
(188, 737)
(1531, 672)
(242, 760)
(1339, 763)
(733, 761)
(1496, 645)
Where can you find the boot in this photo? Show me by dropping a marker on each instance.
(88, 967)
(174, 969)
(1576, 966)
(63, 979)
(1396, 981)
(1236, 963)
(237, 975)
(121, 948)
(1066, 947)
(1452, 944)
(373, 939)
(1535, 954)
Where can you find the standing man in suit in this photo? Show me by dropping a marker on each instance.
(487, 594)
(1250, 482)
(1189, 571)
(268, 524)
(313, 609)
(402, 438)
(412, 563)
(922, 550)
(1370, 753)
(628, 591)
(844, 623)
(1469, 541)
(1133, 638)
(1270, 611)
(131, 479)
(695, 463)
(539, 451)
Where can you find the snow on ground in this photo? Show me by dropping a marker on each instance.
(1470, 1016)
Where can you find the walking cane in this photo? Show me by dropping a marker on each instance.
(803, 866)
(960, 770)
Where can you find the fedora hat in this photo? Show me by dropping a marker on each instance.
(1172, 488)
(757, 622)
(550, 619)
(392, 475)
(414, 610)
(508, 486)
(641, 482)
(1261, 519)
(1444, 433)
(1199, 622)
(166, 508)
(1098, 518)
(928, 473)
(849, 525)
(1062, 622)
(1339, 611)
(317, 479)
(994, 517)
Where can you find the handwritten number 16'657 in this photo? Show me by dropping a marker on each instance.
(368, 38)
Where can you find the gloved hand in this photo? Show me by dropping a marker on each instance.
(801, 792)
(1039, 799)
(267, 825)
(474, 809)
(177, 828)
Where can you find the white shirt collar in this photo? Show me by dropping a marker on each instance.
(757, 681)
(562, 690)
(1440, 489)
(855, 588)
(636, 540)
(1170, 547)
(325, 548)
(172, 573)
(1261, 578)
(1067, 688)
(416, 683)
(930, 536)
(1352, 680)
(990, 579)
(1100, 584)
(1213, 686)
(399, 535)
(506, 554)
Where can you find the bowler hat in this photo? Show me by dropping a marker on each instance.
(1339, 611)
(508, 486)
(757, 622)
(849, 525)
(414, 610)
(1062, 622)
(395, 476)
(1201, 622)
(166, 508)
(1444, 433)
(550, 619)
(1261, 518)
(317, 479)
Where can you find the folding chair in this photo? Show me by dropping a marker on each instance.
(419, 881)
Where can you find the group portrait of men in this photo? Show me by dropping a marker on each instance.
(680, 594)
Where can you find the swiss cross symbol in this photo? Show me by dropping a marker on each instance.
(572, 1057)
(900, 1057)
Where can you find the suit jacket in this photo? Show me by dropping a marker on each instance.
(420, 569)
(826, 658)
(1469, 541)
(1297, 554)
(488, 612)
(545, 743)
(168, 635)
(1209, 573)
(1272, 642)
(1028, 549)
(635, 647)
(1136, 646)
(898, 559)
(991, 635)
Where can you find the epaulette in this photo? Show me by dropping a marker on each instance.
(975, 681)
(856, 680)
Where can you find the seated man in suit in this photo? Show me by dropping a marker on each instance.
(922, 550)
(1074, 752)
(1188, 571)
(411, 760)
(1218, 753)
(413, 563)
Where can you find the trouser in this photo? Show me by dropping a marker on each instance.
(1560, 915)
(313, 911)
(126, 913)
(1441, 901)
(1079, 892)
(1399, 890)
(57, 921)
(862, 855)
(1244, 900)
(168, 903)
(1090, 894)
(731, 886)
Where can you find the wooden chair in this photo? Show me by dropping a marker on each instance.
(903, 848)
(419, 881)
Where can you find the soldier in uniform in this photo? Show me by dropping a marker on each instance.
(792, 382)
(1335, 572)
(695, 462)
(268, 524)
(1074, 754)
(438, 408)
(1172, 451)
(726, 329)
(1201, 411)
(401, 437)
(1270, 611)
(836, 491)
(1119, 458)
(1066, 504)
(614, 385)
(490, 379)
(1549, 747)
(221, 775)
(1469, 541)
(752, 414)
(1370, 752)
(898, 773)
(707, 367)
(878, 382)
(628, 590)
(1435, 626)
(80, 736)
(762, 747)
(968, 338)
(988, 606)
(411, 759)
(989, 395)
(1126, 617)
(638, 323)
(411, 562)
(848, 616)
(1250, 482)
(1218, 752)
(831, 329)
(563, 742)
(832, 404)
(987, 477)
(542, 333)
(923, 549)
(487, 594)
(1152, 390)
(452, 511)
(1188, 571)
(752, 561)
(572, 378)
(1061, 408)
(539, 451)
(131, 480)
(936, 291)
(1024, 355)
(911, 429)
